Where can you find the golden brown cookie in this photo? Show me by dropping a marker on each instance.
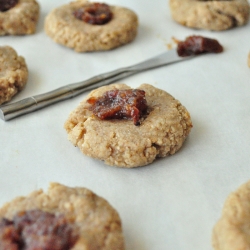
(232, 231)
(21, 19)
(121, 143)
(91, 221)
(64, 28)
(210, 15)
(13, 73)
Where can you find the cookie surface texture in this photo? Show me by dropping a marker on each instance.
(64, 28)
(232, 230)
(210, 15)
(121, 143)
(20, 19)
(13, 73)
(98, 223)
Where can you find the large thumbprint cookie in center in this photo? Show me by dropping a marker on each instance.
(133, 131)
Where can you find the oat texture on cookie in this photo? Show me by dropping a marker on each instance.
(18, 17)
(232, 232)
(85, 220)
(210, 15)
(75, 26)
(13, 73)
(118, 142)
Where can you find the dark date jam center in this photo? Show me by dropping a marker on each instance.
(194, 45)
(94, 13)
(7, 4)
(37, 230)
(120, 104)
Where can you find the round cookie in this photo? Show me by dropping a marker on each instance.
(20, 19)
(232, 231)
(210, 15)
(121, 143)
(13, 73)
(64, 28)
(95, 222)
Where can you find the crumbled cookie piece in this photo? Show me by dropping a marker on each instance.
(13, 73)
(210, 15)
(19, 18)
(232, 231)
(87, 220)
(64, 26)
(119, 142)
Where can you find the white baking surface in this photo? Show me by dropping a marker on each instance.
(174, 202)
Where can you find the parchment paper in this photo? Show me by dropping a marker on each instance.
(174, 202)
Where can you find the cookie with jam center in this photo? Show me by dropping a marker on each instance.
(119, 142)
(18, 17)
(83, 219)
(13, 73)
(210, 14)
(76, 25)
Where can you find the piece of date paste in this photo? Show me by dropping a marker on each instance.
(195, 45)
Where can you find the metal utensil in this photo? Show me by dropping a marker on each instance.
(33, 103)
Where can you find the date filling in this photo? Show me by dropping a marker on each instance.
(194, 45)
(7, 4)
(120, 104)
(94, 13)
(37, 230)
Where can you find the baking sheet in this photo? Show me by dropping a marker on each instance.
(174, 202)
